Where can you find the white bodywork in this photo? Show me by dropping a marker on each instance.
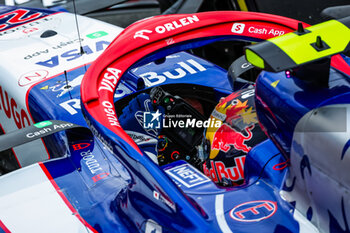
(34, 205)
(23, 53)
(321, 184)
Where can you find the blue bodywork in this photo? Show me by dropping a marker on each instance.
(291, 99)
(118, 195)
(316, 182)
(108, 203)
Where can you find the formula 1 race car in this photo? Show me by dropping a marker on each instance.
(97, 145)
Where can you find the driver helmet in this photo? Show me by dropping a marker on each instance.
(224, 148)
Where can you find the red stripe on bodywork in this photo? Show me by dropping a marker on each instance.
(64, 198)
(4, 228)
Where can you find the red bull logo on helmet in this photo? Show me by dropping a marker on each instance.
(237, 111)
(225, 137)
(218, 170)
(233, 109)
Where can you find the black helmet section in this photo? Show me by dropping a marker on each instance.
(224, 148)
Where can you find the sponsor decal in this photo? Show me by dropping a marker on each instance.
(245, 65)
(233, 110)
(238, 28)
(29, 30)
(110, 113)
(32, 77)
(167, 201)
(38, 133)
(97, 35)
(90, 161)
(256, 29)
(140, 34)
(121, 91)
(176, 24)
(225, 137)
(18, 16)
(81, 146)
(10, 107)
(24, 26)
(167, 27)
(281, 166)
(218, 170)
(159, 194)
(265, 31)
(38, 53)
(71, 55)
(43, 124)
(45, 129)
(185, 68)
(187, 175)
(100, 176)
(110, 79)
(72, 106)
(63, 44)
(140, 138)
(63, 87)
(253, 211)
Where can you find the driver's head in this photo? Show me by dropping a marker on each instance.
(224, 148)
